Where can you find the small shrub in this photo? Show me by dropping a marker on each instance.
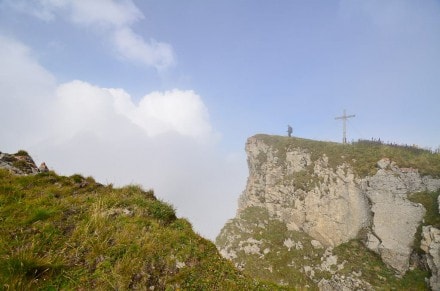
(40, 214)
(77, 178)
(162, 211)
(21, 153)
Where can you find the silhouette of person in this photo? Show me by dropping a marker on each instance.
(289, 130)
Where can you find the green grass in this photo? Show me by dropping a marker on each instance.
(73, 233)
(362, 156)
(22, 153)
(362, 260)
(430, 202)
(432, 216)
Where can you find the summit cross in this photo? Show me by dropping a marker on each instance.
(344, 118)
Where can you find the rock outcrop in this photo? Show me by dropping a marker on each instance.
(332, 209)
(19, 163)
(307, 191)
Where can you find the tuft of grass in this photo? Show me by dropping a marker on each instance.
(21, 153)
(77, 178)
(39, 214)
(162, 211)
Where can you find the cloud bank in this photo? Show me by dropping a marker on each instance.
(110, 19)
(165, 141)
(81, 105)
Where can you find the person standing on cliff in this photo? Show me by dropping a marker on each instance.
(289, 130)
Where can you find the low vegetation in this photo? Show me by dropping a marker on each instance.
(370, 268)
(429, 200)
(73, 233)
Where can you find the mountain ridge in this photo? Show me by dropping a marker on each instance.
(60, 232)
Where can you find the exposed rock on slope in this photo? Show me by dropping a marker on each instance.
(334, 194)
(19, 163)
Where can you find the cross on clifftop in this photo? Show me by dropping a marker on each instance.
(344, 118)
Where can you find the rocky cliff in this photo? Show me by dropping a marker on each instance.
(327, 196)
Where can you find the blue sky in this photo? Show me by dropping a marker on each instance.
(165, 93)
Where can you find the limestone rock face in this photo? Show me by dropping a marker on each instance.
(394, 218)
(333, 211)
(333, 205)
(431, 245)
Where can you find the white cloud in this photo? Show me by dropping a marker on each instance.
(110, 18)
(104, 13)
(81, 105)
(42, 9)
(181, 111)
(165, 141)
(25, 87)
(133, 47)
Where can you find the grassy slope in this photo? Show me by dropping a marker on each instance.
(72, 233)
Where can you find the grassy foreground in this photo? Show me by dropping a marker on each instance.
(73, 233)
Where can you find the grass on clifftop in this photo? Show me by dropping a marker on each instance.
(73, 233)
(362, 156)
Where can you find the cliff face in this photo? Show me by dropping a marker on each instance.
(321, 189)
